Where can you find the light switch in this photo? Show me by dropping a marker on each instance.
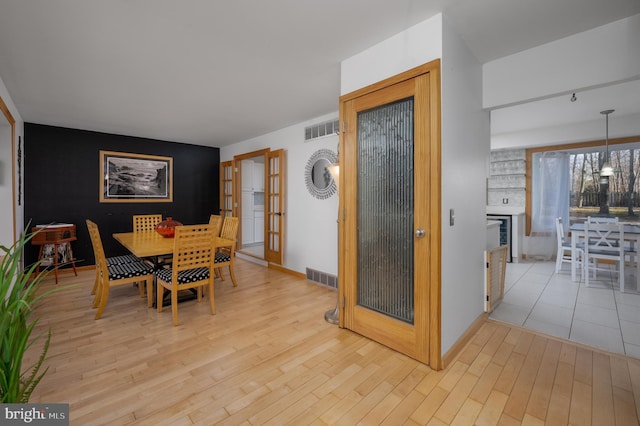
(452, 217)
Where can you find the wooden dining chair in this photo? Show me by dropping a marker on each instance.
(115, 274)
(115, 260)
(191, 268)
(215, 220)
(226, 256)
(146, 222)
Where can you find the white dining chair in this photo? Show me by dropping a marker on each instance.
(564, 253)
(602, 219)
(604, 241)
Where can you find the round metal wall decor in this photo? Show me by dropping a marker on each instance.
(319, 182)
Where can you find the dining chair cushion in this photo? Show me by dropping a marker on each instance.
(129, 270)
(222, 257)
(186, 276)
(121, 260)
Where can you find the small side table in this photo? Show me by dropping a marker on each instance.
(60, 237)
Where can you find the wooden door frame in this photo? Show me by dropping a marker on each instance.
(435, 211)
(237, 190)
(12, 122)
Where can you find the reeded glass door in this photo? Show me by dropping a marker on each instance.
(388, 215)
(385, 209)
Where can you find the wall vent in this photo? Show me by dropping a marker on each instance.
(323, 278)
(321, 130)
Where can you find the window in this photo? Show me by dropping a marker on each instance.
(586, 194)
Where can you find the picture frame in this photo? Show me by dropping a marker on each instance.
(127, 178)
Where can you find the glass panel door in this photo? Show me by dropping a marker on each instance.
(385, 209)
(390, 214)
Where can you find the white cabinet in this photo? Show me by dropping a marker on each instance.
(252, 176)
(493, 234)
(252, 202)
(258, 226)
(247, 175)
(247, 217)
(258, 177)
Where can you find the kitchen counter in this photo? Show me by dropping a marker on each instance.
(493, 234)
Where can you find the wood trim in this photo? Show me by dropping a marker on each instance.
(435, 187)
(462, 342)
(435, 302)
(248, 155)
(12, 122)
(529, 155)
(286, 270)
(406, 75)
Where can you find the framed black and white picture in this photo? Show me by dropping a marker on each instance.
(126, 177)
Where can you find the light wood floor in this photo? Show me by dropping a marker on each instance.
(268, 357)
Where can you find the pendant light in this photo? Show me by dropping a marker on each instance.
(607, 170)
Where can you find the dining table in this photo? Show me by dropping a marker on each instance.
(152, 245)
(631, 234)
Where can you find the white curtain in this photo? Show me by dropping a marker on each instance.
(549, 200)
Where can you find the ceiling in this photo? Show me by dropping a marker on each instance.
(212, 72)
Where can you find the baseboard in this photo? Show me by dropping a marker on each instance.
(251, 258)
(457, 347)
(287, 271)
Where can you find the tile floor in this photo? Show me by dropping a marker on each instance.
(599, 315)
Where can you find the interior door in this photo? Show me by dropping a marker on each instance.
(7, 177)
(226, 188)
(274, 206)
(391, 215)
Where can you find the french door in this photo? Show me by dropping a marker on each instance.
(274, 207)
(227, 188)
(274, 198)
(390, 225)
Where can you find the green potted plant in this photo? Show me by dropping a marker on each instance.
(18, 295)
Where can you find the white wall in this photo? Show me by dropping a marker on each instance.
(569, 133)
(413, 47)
(7, 167)
(465, 155)
(601, 56)
(465, 152)
(539, 81)
(311, 227)
(311, 224)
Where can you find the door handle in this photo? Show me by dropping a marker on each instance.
(420, 233)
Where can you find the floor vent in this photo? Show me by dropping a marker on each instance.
(321, 130)
(322, 278)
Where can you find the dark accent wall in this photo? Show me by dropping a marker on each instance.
(62, 184)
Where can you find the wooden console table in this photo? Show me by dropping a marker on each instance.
(57, 235)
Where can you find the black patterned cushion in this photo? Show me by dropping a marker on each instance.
(188, 276)
(129, 270)
(222, 257)
(121, 260)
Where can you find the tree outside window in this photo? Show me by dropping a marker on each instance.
(592, 194)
